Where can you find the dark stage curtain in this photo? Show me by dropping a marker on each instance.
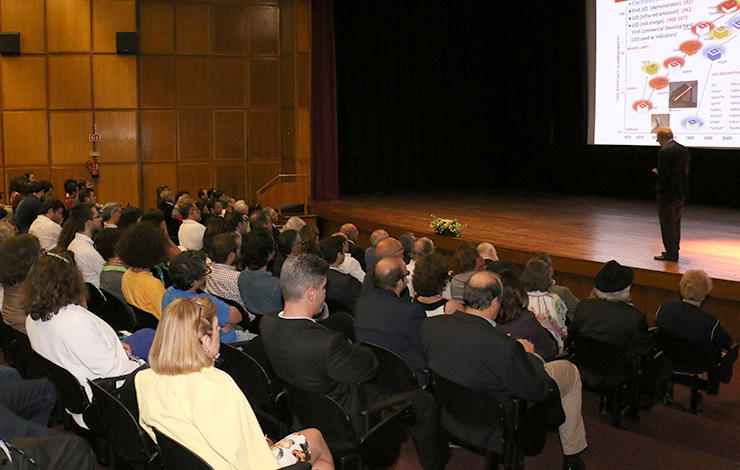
(324, 164)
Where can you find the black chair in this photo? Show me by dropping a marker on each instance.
(493, 421)
(342, 322)
(117, 313)
(394, 375)
(21, 356)
(260, 388)
(120, 422)
(338, 306)
(379, 443)
(608, 370)
(690, 362)
(95, 299)
(144, 319)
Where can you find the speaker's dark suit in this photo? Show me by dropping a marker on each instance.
(343, 288)
(672, 188)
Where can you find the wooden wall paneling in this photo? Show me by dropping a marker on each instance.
(263, 26)
(26, 138)
(153, 175)
(114, 81)
(118, 132)
(156, 28)
(303, 79)
(288, 166)
(231, 178)
(228, 81)
(195, 131)
(228, 28)
(192, 176)
(287, 133)
(264, 82)
(260, 173)
(193, 32)
(61, 173)
(287, 27)
(158, 136)
(287, 81)
(303, 134)
(158, 81)
(229, 132)
(119, 182)
(70, 81)
(4, 196)
(110, 17)
(28, 18)
(69, 136)
(263, 128)
(303, 25)
(42, 173)
(23, 81)
(194, 81)
(68, 26)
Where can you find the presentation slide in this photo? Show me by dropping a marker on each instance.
(672, 63)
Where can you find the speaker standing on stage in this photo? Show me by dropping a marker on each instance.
(672, 189)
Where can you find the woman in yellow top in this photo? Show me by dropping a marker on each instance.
(141, 248)
(201, 407)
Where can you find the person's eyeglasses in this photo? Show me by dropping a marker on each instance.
(207, 271)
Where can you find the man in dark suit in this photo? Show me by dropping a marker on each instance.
(340, 287)
(309, 356)
(672, 188)
(385, 318)
(357, 252)
(465, 347)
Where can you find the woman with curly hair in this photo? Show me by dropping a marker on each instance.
(186, 398)
(63, 331)
(431, 278)
(17, 255)
(141, 248)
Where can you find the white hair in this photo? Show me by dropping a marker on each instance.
(294, 223)
(618, 296)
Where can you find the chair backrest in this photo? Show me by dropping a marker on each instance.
(21, 356)
(73, 395)
(144, 319)
(472, 408)
(342, 322)
(248, 374)
(175, 456)
(337, 306)
(95, 299)
(120, 425)
(600, 358)
(118, 314)
(394, 375)
(688, 357)
(256, 350)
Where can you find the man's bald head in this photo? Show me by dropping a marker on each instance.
(388, 271)
(378, 236)
(422, 247)
(481, 291)
(350, 231)
(487, 251)
(389, 247)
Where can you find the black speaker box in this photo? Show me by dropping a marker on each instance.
(127, 42)
(10, 43)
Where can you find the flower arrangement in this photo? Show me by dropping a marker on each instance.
(446, 227)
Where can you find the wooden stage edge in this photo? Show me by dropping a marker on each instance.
(580, 234)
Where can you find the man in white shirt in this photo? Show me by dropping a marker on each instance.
(48, 224)
(350, 265)
(88, 221)
(191, 231)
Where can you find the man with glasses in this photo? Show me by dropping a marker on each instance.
(88, 221)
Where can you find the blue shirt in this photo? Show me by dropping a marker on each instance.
(222, 308)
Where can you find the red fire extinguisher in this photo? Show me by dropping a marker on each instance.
(93, 167)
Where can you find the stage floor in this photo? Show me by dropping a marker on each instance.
(593, 229)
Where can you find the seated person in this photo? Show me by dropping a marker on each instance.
(350, 265)
(189, 271)
(110, 278)
(340, 287)
(259, 289)
(224, 249)
(157, 218)
(423, 246)
(17, 255)
(186, 398)
(141, 248)
(288, 243)
(430, 281)
(467, 262)
(571, 301)
(548, 307)
(64, 332)
(25, 405)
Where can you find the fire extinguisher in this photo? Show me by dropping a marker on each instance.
(93, 167)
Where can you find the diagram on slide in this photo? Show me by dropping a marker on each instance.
(669, 63)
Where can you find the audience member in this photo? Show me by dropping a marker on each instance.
(407, 240)
(25, 406)
(294, 223)
(129, 216)
(189, 271)
(70, 193)
(259, 289)
(466, 262)
(17, 255)
(237, 223)
(86, 196)
(111, 213)
(19, 189)
(76, 236)
(490, 258)
(274, 219)
(288, 243)
(191, 230)
(8, 229)
(141, 248)
(431, 282)
(310, 240)
(113, 270)
(357, 252)
(30, 206)
(388, 247)
(166, 203)
(223, 279)
(215, 226)
(156, 218)
(571, 301)
(370, 256)
(547, 306)
(350, 265)
(48, 224)
(186, 398)
(422, 247)
(340, 287)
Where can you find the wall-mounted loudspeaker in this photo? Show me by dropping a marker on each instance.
(10, 43)
(127, 42)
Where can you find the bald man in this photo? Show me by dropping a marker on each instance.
(386, 248)
(490, 258)
(370, 254)
(351, 232)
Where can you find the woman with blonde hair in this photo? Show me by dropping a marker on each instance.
(186, 398)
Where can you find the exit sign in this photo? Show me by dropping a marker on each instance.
(93, 137)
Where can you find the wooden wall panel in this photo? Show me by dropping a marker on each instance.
(303, 79)
(70, 81)
(192, 176)
(158, 136)
(287, 27)
(260, 173)
(287, 81)
(303, 134)
(110, 17)
(263, 127)
(28, 18)
(153, 175)
(118, 132)
(69, 131)
(23, 82)
(26, 138)
(114, 81)
(194, 81)
(228, 27)
(287, 133)
(231, 178)
(156, 28)
(264, 82)
(195, 131)
(193, 32)
(116, 181)
(263, 24)
(229, 135)
(68, 25)
(303, 25)
(158, 82)
(228, 81)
